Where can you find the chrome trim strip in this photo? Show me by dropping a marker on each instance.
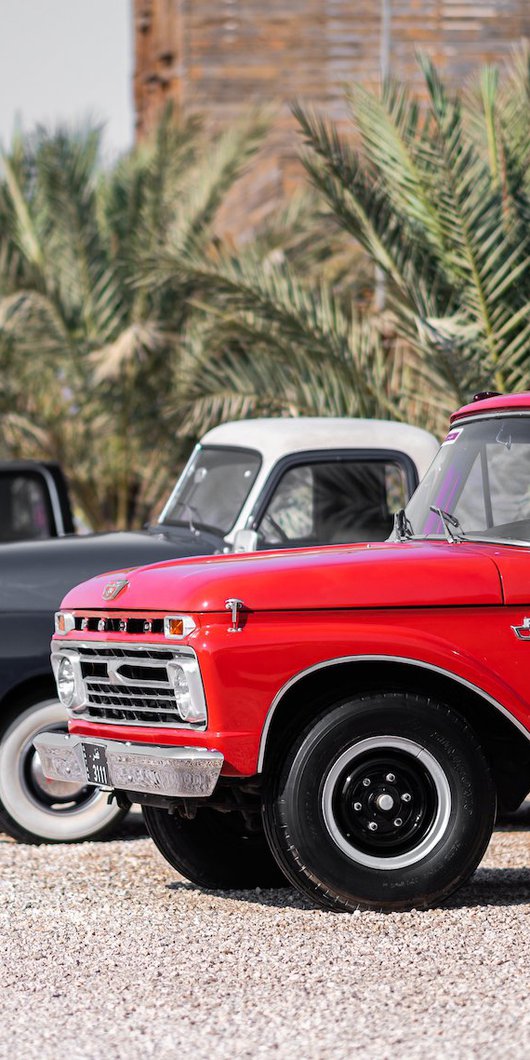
(123, 691)
(377, 658)
(177, 772)
(105, 645)
(172, 709)
(470, 418)
(162, 726)
(522, 632)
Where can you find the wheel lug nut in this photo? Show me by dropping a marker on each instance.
(398, 822)
(406, 797)
(391, 778)
(357, 806)
(366, 782)
(372, 826)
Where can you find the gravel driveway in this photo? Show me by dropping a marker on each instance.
(106, 953)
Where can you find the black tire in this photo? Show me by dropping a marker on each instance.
(33, 809)
(214, 850)
(322, 802)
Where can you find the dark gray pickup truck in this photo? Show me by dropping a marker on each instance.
(256, 484)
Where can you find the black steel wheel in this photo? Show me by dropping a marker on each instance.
(214, 850)
(385, 802)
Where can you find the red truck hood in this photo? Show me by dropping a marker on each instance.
(404, 574)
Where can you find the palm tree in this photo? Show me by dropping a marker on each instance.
(272, 345)
(437, 197)
(282, 330)
(88, 356)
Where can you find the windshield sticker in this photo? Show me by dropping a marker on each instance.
(452, 436)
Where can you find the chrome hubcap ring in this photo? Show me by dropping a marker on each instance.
(387, 832)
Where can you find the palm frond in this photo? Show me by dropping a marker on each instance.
(209, 182)
(359, 204)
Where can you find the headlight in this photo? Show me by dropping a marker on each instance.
(187, 686)
(69, 680)
(66, 682)
(182, 692)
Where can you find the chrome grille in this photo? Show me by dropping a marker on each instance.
(130, 685)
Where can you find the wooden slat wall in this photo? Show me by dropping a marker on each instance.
(217, 56)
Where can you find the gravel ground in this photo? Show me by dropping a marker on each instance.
(106, 953)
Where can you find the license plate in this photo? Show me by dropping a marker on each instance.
(96, 763)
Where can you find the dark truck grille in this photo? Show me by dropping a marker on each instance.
(129, 686)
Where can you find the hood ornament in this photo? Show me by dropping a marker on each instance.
(113, 589)
(234, 606)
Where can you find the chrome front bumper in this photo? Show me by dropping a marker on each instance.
(184, 772)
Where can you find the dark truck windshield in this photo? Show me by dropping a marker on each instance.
(213, 489)
(480, 477)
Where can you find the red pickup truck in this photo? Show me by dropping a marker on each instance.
(347, 718)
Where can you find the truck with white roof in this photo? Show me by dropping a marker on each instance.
(255, 484)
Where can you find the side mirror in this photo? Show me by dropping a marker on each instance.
(245, 541)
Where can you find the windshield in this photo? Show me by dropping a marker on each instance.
(213, 489)
(481, 478)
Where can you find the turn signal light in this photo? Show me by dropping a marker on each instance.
(178, 626)
(64, 622)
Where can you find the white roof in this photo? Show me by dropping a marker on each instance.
(277, 437)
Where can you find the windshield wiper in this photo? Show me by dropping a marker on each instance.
(402, 525)
(450, 524)
(192, 512)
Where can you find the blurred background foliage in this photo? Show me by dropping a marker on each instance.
(87, 356)
(394, 285)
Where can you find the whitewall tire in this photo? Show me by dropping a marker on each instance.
(34, 809)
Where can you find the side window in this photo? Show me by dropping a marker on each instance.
(24, 509)
(332, 502)
(290, 513)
